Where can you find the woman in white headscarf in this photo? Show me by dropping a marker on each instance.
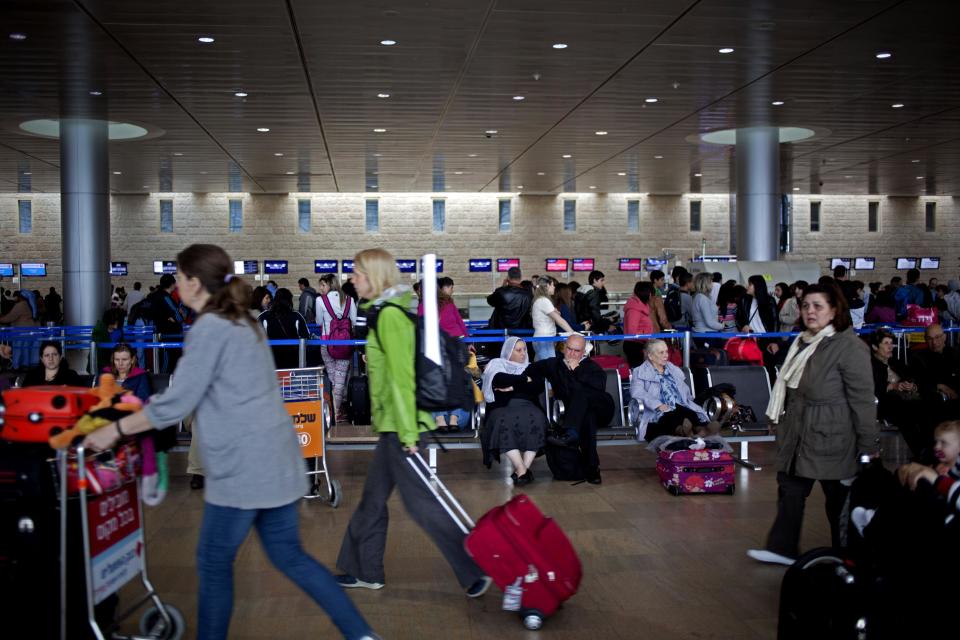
(515, 423)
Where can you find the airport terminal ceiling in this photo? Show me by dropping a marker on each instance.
(273, 96)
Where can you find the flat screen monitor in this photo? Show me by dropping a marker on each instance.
(347, 266)
(246, 267)
(654, 264)
(324, 266)
(556, 264)
(164, 266)
(929, 263)
(439, 265)
(864, 264)
(583, 264)
(33, 269)
(505, 264)
(839, 262)
(630, 264)
(407, 266)
(118, 268)
(275, 267)
(906, 263)
(6, 270)
(480, 265)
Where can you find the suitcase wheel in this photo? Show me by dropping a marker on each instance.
(731, 489)
(532, 619)
(674, 489)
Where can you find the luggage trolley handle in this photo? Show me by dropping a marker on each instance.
(463, 520)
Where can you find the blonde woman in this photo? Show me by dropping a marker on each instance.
(546, 318)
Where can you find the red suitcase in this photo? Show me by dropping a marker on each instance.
(34, 414)
(525, 553)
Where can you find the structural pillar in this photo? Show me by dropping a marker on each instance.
(84, 219)
(758, 193)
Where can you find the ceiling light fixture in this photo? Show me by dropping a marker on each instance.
(541, 173)
(726, 50)
(560, 45)
(18, 36)
(472, 155)
(458, 173)
(383, 95)
(796, 188)
(883, 55)
(914, 161)
(519, 98)
(777, 103)
(847, 177)
(278, 154)
(593, 186)
(566, 156)
(263, 129)
(897, 105)
(491, 132)
(601, 133)
(388, 43)
(519, 186)
(651, 100)
(28, 173)
(118, 173)
(178, 153)
(379, 130)
(146, 186)
(205, 40)
(290, 173)
(698, 175)
(241, 94)
(203, 173)
(621, 173)
(919, 177)
(96, 94)
(658, 157)
(377, 155)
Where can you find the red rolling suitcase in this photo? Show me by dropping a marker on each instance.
(524, 552)
(33, 414)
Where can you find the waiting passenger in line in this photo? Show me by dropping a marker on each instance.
(332, 304)
(281, 322)
(898, 399)
(390, 367)
(705, 317)
(637, 320)
(546, 318)
(909, 293)
(589, 302)
(53, 369)
(563, 301)
(757, 313)
(685, 288)
(511, 303)
(884, 309)
(516, 425)
(659, 281)
(668, 406)
(823, 406)
(307, 305)
(260, 301)
(227, 376)
(581, 384)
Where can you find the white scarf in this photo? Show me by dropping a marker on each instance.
(792, 369)
(503, 364)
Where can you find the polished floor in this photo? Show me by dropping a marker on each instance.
(655, 565)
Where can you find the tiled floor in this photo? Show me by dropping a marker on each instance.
(655, 565)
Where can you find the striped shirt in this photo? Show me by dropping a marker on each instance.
(949, 487)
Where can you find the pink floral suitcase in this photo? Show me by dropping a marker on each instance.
(700, 471)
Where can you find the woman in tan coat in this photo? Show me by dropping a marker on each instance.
(825, 418)
(21, 315)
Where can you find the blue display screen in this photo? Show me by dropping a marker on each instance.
(275, 267)
(118, 268)
(164, 266)
(347, 266)
(33, 269)
(407, 266)
(6, 269)
(654, 264)
(324, 266)
(480, 265)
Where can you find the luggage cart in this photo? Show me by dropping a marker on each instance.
(309, 404)
(113, 551)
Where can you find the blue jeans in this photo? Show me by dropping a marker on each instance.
(544, 350)
(223, 531)
(463, 417)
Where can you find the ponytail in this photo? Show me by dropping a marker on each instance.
(229, 296)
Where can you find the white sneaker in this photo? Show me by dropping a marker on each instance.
(762, 555)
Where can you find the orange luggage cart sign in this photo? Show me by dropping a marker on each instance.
(308, 423)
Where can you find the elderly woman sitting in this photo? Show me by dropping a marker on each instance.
(668, 406)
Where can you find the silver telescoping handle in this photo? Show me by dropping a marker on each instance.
(463, 521)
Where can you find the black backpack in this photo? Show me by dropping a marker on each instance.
(672, 304)
(439, 387)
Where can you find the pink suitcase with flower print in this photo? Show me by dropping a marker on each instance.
(696, 471)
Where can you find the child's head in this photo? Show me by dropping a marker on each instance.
(947, 441)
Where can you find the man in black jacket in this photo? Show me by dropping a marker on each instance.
(164, 311)
(581, 384)
(590, 301)
(511, 303)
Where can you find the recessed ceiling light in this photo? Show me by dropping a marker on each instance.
(383, 95)
(205, 39)
(658, 157)
(203, 173)
(726, 50)
(560, 45)
(541, 173)
(919, 177)
(847, 177)
(621, 173)
(472, 155)
(388, 43)
(117, 173)
(278, 154)
(377, 155)
(601, 133)
(28, 173)
(490, 132)
(651, 100)
(777, 103)
(458, 173)
(519, 186)
(519, 98)
(897, 105)
(241, 94)
(263, 129)
(146, 186)
(567, 156)
(593, 186)
(883, 55)
(290, 173)
(178, 153)
(698, 175)
(96, 93)
(914, 161)
(379, 130)
(18, 36)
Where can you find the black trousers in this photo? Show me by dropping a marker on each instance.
(792, 492)
(585, 412)
(669, 422)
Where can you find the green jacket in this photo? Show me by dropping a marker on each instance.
(391, 368)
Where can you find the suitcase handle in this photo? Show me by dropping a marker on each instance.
(447, 500)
